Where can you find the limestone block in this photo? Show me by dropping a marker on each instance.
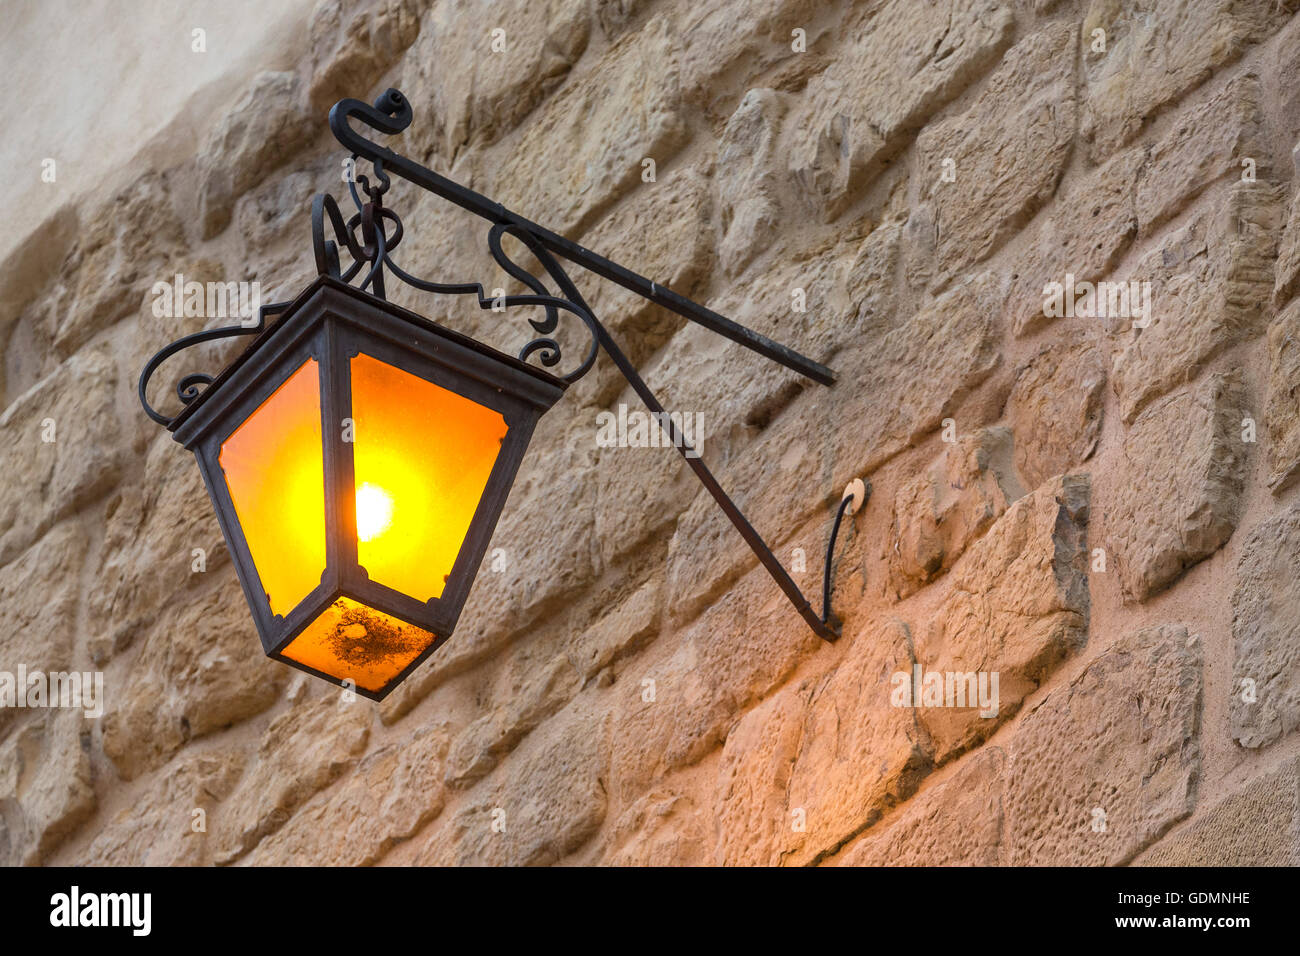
(1264, 702)
(1154, 53)
(1004, 156)
(939, 512)
(1055, 408)
(1019, 607)
(1184, 467)
(1122, 738)
(904, 62)
(303, 751)
(199, 669)
(1210, 284)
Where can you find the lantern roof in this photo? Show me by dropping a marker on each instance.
(322, 289)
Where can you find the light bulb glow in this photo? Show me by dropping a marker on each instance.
(374, 511)
(428, 453)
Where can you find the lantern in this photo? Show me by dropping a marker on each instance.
(358, 457)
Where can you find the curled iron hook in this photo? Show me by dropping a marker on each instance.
(187, 388)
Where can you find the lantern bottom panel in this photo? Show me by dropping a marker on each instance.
(352, 642)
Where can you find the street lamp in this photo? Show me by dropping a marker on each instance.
(358, 455)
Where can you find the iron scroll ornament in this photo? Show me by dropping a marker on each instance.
(372, 250)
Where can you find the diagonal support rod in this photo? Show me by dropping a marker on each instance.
(822, 626)
(392, 114)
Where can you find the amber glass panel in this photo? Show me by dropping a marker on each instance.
(353, 642)
(276, 476)
(422, 456)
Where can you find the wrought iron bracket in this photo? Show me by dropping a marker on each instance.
(372, 251)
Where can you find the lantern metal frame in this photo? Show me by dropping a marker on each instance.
(332, 300)
(331, 322)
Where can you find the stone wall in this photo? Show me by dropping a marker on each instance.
(1099, 508)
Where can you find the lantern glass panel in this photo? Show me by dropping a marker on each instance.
(274, 471)
(350, 641)
(422, 456)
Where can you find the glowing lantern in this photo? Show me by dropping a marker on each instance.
(358, 457)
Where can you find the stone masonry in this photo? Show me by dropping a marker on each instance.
(1051, 250)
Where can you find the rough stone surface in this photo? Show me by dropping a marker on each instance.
(938, 513)
(618, 633)
(46, 790)
(713, 51)
(1281, 410)
(64, 449)
(500, 77)
(265, 126)
(352, 46)
(109, 270)
(907, 384)
(198, 670)
(535, 689)
(1123, 737)
(550, 800)
(1286, 281)
(850, 771)
(1005, 154)
(1257, 825)
(956, 823)
(663, 828)
(1055, 408)
(869, 280)
(169, 825)
(698, 683)
(39, 594)
(754, 780)
(589, 145)
(747, 178)
(387, 799)
(1265, 694)
(857, 113)
(1208, 143)
(666, 226)
(304, 750)
(1019, 607)
(159, 537)
(1085, 234)
(1153, 56)
(1280, 75)
(1184, 468)
(1210, 284)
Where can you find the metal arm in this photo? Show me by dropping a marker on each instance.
(390, 114)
